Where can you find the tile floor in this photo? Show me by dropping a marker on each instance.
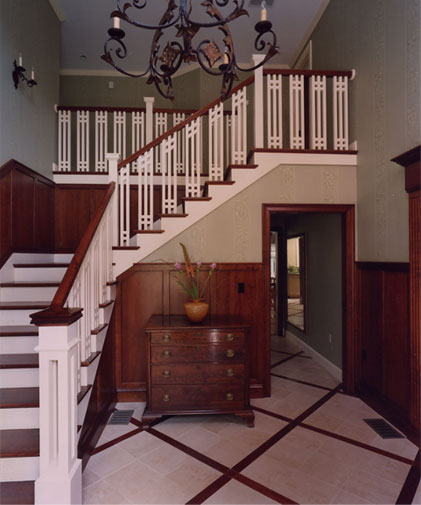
(309, 445)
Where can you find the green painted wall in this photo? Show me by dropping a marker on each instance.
(323, 236)
(381, 40)
(28, 122)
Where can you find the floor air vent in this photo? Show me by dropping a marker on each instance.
(121, 417)
(382, 428)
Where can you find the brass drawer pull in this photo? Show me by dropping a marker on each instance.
(230, 337)
(167, 354)
(166, 338)
(230, 397)
(230, 353)
(230, 372)
(166, 398)
(166, 373)
(198, 334)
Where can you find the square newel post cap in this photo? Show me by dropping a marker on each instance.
(112, 156)
(257, 58)
(149, 99)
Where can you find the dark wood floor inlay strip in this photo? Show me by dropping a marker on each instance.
(209, 490)
(301, 382)
(286, 359)
(272, 414)
(411, 483)
(260, 488)
(291, 354)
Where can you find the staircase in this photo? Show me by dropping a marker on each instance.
(28, 284)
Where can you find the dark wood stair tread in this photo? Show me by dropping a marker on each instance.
(83, 391)
(19, 492)
(125, 247)
(197, 198)
(91, 358)
(41, 265)
(19, 443)
(181, 214)
(20, 284)
(18, 331)
(23, 305)
(146, 232)
(18, 361)
(12, 398)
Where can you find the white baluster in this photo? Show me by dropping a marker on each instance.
(169, 175)
(60, 479)
(124, 199)
(138, 134)
(258, 101)
(149, 101)
(179, 117)
(161, 126)
(120, 133)
(340, 113)
(194, 156)
(64, 140)
(216, 143)
(112, 161)
(318, 128)
(82, 141)
(296, 111)
(274, 111)
(239, 127)
(228, 138)
(101, 140)
(145, 190)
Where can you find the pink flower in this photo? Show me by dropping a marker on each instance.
(213, 266)
(199, 264)
(177, 266)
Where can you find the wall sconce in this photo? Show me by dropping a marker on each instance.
(18, 74)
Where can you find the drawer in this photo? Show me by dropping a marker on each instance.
(201, 353)
(197, 374)
(198, 335)
(206, 397)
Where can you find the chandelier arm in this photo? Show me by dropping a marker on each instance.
(260, 45)
(213, 12)
(167, 19)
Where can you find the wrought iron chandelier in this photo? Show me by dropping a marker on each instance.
(164, 63)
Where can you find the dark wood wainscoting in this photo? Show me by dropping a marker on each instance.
(26, 211)
(150, 288)
(384, 338)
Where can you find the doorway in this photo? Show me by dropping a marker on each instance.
(274, 218)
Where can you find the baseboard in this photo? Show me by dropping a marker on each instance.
(332, 369)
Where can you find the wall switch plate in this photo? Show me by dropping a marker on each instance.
(330, 338)
(111, 84)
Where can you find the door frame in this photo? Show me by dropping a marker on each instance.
(349, 337)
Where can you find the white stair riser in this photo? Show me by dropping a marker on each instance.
(38, 274)
(16, 317)
(27, 294)
(18, 345)
(19, 377)
(19, 469)
(98, 340)
(105, 313)
(111, 292)
(19, 419)
(87, 373)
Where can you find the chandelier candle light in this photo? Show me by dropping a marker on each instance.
(164, 63)
(189, 280)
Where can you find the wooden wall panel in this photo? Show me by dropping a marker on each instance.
(384, 337)
(148, 289)
(26, 199)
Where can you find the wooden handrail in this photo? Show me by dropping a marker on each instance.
(180, 126)
(307, 73)
(69, 277)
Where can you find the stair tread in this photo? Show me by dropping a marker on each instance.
(18, 361)
(125, 248)
(19, 443)
(180, 214)
(24, 284)
(23, 305)
(13, 493)
(41, 265)
(149, 231)
(11, 398)
(18, 331)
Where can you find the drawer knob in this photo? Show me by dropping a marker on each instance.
(230, 372)
(230, 353)
(230, 337)
(166, 373)
(166, 398)
(167, 354)
(166, 338)
(198, 334)
(230, 397)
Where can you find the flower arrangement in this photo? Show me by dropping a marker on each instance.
(189, 277)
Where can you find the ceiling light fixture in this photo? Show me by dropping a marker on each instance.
(163, 64)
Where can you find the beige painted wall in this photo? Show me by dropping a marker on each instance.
(233, 232)
(381, 40)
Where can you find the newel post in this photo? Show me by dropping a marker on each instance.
(258, 101)
(112, 162)
(60, 479)
(149, 100)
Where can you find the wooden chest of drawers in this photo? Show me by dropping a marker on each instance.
(197, 369)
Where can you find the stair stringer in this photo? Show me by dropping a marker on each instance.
(195, 210)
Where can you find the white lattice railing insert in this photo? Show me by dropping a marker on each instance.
(101, 140)
(82, 143)
(64, 140)
(296, 111)
(146, 189)
(239, 127)
(340, 112)
(318, 119)
(216, 143)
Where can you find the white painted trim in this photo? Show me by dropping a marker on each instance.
(309, 32)
(306, 55)
(57, 11)
(332, 369)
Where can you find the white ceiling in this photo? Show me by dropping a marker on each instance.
(85, 23)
